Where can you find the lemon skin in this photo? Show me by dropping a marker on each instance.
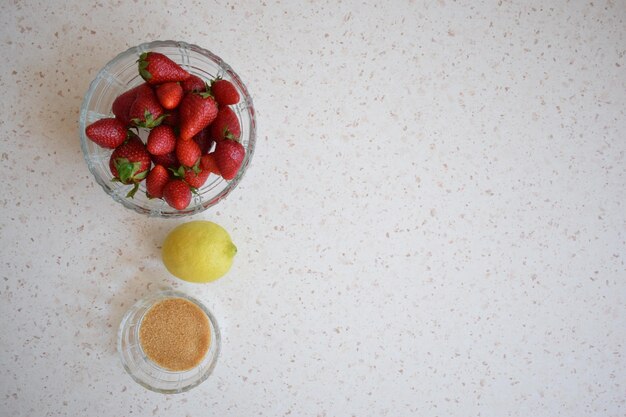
(198, 251)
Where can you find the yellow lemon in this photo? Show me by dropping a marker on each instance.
(198, 251)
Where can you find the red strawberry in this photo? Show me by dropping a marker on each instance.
(108, 133)
(177, 194)
(225, 125)
(156, 68)
(196, 179)
(121, 105)
(169, 95)
(146, 110)
(229, 155)
(161, 140)
(156, 180)
(203, 140)
(168, 160)
(224, 92)
(197, 111)
(207, 162)
(130, 162)
(193, 83)
(188, 152)
(172, 118)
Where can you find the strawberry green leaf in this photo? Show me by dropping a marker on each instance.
(179, 172)
(140, 176)
(149, 121)
(196, 166)
(143, 65)
(126, 170)
(145, 74)
(205, 94)
(228, 135)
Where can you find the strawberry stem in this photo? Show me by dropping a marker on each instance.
(131, 193)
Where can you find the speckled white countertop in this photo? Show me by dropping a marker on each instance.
(433, 223)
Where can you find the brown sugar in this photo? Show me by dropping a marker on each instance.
(175, 334)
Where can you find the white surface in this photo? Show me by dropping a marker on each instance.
(433, 223)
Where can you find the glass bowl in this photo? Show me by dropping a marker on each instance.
(120, 75)
(146, 372)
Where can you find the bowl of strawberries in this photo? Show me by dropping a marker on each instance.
(167, 129)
